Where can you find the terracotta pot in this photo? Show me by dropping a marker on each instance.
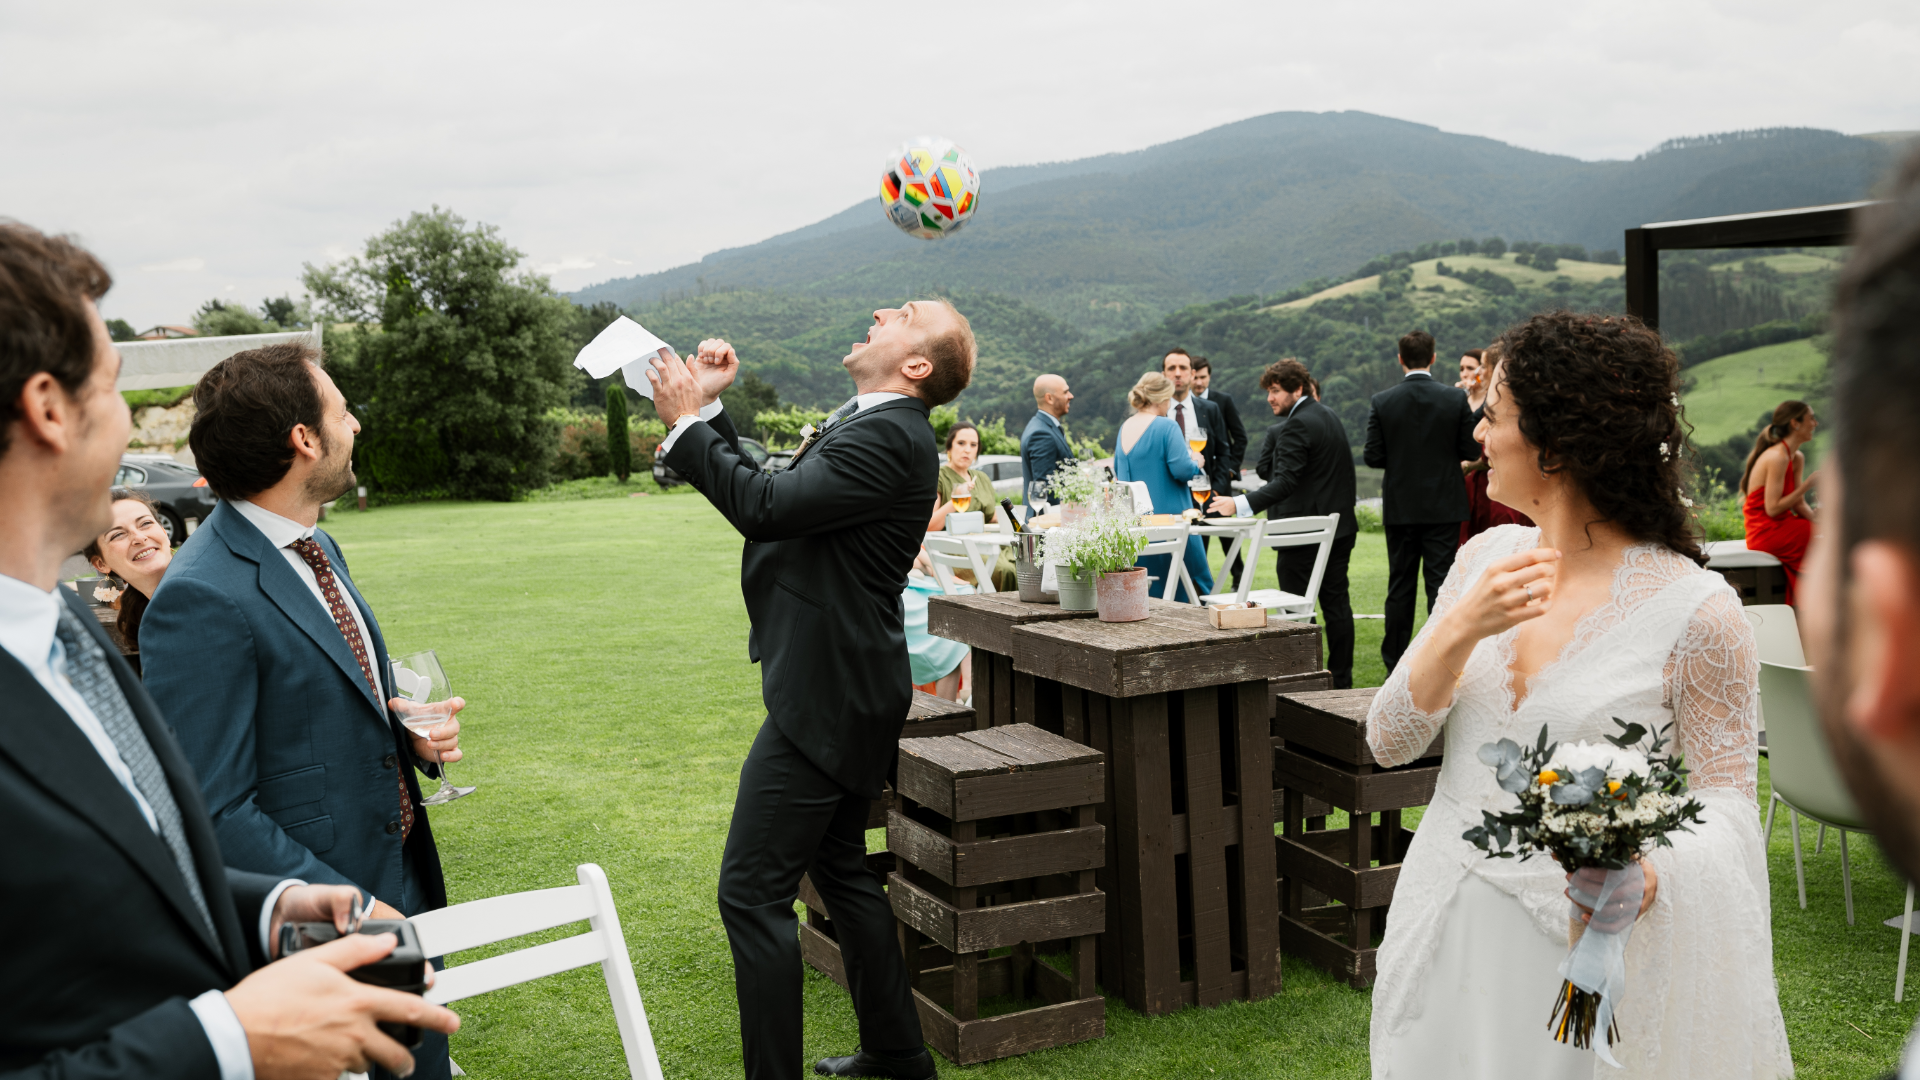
(1076, 593)
(1122, 596)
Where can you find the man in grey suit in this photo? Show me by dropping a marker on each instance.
(1044, 445)
(1419, 432)
(271, 665)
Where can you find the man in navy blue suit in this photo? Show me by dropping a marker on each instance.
(271, 665)
(1044, 445)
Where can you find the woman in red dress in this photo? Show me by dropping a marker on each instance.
(1482, 512)
(1779, 521)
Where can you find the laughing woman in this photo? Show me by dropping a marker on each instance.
(134, 549)
(1600, 610)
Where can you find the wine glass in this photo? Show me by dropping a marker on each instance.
(962, 496)
(1037, 493)
(421, 684)
(1202, 490)
(1196, 440)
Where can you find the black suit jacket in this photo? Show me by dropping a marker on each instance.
(1222, 466)
(829, 544)
(1419, 432)
(1310, 468)
(1236, 431)
(105, 948)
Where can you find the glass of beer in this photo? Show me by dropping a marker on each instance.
(1202, 489)
(962, 497)
(1196, 440)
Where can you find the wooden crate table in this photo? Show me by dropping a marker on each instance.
(927, 717)
(1181, 711)
(1333, 898)
(985, 623)
(997, 844)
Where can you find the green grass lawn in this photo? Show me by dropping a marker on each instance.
(1731, 392)
(602, 643)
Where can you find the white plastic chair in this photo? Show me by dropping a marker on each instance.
(1171, 540)
(1777, 633)
(1289, 533)
(497, 918)
(950, 553)
(1807, 783)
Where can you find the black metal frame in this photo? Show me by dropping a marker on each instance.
(1812, 226)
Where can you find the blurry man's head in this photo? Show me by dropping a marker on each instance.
(271, 421)
(1286, 382)
(923, 348)
(1050, 395)
(1202, 374)
(63, 425)
(1416, 351)
(1177, 366)
(1860, 605)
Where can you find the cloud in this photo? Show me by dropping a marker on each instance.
(175, 266)
(570, 262)
(623, 262)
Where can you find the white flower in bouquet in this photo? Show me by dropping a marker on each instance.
(1572, 759)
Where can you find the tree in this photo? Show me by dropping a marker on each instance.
(1493, 246)
(217, 318)
(748, 397)
(455, 363)
(120, 330)
(619, 450)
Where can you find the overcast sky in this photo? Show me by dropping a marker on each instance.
(209, 149)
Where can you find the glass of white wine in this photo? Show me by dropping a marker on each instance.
(421, 685)
(962, 496)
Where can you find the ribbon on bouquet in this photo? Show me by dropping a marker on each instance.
(1597, 963)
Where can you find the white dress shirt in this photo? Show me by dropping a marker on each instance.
(862, 403)
(1240, 504)
(28, 615)
(280, 532)
(1188, 423)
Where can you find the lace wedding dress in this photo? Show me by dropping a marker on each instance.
(1468, 967)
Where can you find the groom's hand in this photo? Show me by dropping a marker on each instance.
(714, 367)
(676, 392)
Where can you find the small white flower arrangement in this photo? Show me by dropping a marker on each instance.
(107, 594)
(1102, 544)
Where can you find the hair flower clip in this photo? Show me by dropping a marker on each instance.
(1665, 454)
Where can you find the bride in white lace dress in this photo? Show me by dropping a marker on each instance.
(1601, 611)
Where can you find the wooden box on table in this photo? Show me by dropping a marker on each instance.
(1182, 711)
(927, 717)
(997, 844)
(1333, 898)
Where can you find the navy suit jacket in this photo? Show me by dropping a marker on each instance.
(1043, 446)
(296, 756)
(107, 947)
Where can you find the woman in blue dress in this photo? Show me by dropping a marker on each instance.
(1150, 448)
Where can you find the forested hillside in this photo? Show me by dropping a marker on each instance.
(1109, 245)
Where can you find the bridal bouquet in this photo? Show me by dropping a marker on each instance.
(1594, 807)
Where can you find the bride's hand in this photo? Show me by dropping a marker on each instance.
(1513, 590)
(1583, 887)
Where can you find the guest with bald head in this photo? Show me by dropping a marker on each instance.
(1044, 445)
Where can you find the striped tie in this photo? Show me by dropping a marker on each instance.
(89, 673)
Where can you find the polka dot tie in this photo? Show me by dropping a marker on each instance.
(316, 557)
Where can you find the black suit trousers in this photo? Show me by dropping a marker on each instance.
(1336, 601)
(792, 819)
(1412, 550)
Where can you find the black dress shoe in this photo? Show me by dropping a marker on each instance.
(916, 1067)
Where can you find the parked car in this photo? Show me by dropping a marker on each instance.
(179, 492)
(768, 461)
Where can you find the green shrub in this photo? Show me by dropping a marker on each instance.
(619, 449)
(1369, 520)
(1720, 510)
(165, 399)
(583, 444)
(781, 427)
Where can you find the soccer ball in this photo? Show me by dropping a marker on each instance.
(930, 188)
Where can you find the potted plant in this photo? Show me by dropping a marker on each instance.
(1060, 546)
(1077, 487)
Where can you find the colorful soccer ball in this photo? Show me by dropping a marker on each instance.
(930, 188)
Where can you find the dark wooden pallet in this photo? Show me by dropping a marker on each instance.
(1321, 754)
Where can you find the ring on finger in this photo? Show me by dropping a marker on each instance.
(1529, 589)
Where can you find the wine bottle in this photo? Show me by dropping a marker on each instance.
(1007, 505)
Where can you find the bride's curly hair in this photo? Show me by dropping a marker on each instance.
(1599, 397)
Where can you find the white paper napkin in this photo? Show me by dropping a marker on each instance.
(624, 346)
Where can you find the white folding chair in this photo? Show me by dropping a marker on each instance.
(1245, 545)
(1171, 540)
(497, 918)
(1289, 533)
(950, 553)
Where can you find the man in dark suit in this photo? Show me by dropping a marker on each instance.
(1311, 474)
(829, 543)
(1229, 414)
(272, 665)
(1193, 413)
(1044, 445)
(1419, 432)
(135, 953)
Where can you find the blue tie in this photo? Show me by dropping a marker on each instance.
(89, 673)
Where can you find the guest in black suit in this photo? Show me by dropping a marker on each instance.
(1191, 413)
(829, 543)
(134, 952)
(1229, 414)
(1419, 432)
(1311, 474)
